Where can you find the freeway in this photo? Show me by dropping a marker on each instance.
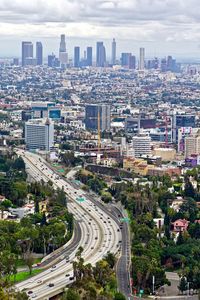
(100, 233)
(116, 212)
(123, 264)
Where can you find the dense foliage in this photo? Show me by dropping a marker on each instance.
(46, 229)
(94, 283)
(155, 250)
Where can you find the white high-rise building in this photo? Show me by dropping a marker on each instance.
(142, 59)
(39, 134)
(142, 145)
(63, 56)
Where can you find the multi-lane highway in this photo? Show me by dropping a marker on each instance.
(99, 233)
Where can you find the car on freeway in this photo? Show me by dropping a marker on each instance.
(33, 296)
(30, 292)
(51, 284)
(67, 275)
(71, 278)
(39, 281)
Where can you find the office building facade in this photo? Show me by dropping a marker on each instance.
(92, 112)
(27, 52)
(141, 145)
(192, 145)
(181, 121)
(39, 134)
(76, 57)
(125, 59)
(100, 55)
(132, 62)
(63, 56)
(39, 53)
(142, 59)
(113, 57)
(45, 110)
(89, 56)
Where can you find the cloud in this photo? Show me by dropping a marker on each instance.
(156, 21)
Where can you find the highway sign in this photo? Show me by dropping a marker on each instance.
(126, 220)
(80, 199)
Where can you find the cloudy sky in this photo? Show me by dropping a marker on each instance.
(162, 26)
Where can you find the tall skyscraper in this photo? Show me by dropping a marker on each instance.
(62, 43)
(113, 60)
(101, 55)
(39, 134)
(89, 56)
(91, 116)
(142, 59)
(132, 62)
(63, 57)
(76, 57)
(53, 61)
(125, 59)
(27, 52)
(39, 53)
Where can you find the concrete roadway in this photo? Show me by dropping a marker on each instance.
(116, 212)
(99, 233)
(123, 264)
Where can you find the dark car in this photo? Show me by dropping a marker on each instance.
(51, 284)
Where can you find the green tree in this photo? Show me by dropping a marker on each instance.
(44, 219)
(61, 197)
(71, 294)
(29, 260)
(183, 285)
(189, 189)
(106, 197)
(119, 296)
(6, 204)
(180, 239)
(111, 259)
(37, 207)
(19, 164)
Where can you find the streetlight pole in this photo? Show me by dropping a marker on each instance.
(188, 289)
(153, 283)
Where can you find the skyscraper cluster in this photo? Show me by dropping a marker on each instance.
(27, 54)
(127, 59)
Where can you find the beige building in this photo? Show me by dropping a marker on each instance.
(167, 154)
(138, 166)
(192, 145)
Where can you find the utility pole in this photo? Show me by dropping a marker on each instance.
(153, 283)
(99, 130)
(188, 289)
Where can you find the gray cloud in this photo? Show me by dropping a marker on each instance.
(98, 11)
(153, 21)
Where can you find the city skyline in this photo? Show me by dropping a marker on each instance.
(158, 26)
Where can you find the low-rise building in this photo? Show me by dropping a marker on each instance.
(180, 225)
(167, 154)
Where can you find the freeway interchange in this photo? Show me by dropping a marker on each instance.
(98, 232)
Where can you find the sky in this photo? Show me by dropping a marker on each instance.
(163, 27)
